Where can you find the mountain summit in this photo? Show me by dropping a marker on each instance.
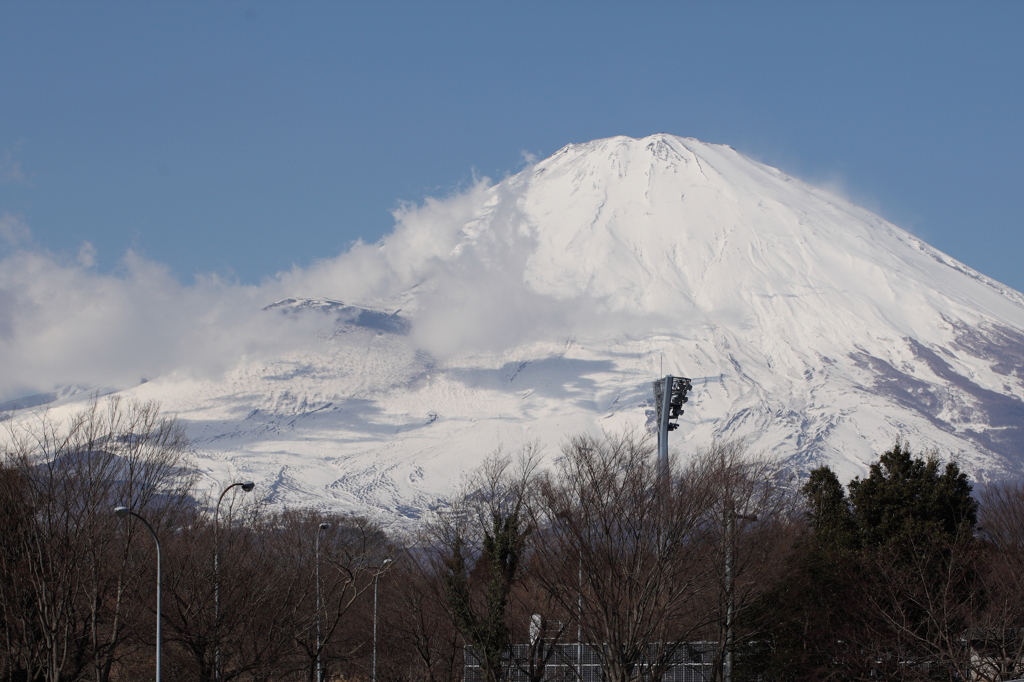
(631, 219)
(546, 304)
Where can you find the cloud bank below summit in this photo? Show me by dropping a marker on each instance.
(455, 266)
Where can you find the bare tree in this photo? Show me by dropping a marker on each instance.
(417, 631)
(619, 551)
(754, 513)
(924, 595)
(351, 551)
(194, 630)
(478, 550)
(20, 636)
(996, 635)
(74, 560)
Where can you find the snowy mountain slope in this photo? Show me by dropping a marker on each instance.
(544, 305)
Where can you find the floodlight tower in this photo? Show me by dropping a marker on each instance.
(669, 396)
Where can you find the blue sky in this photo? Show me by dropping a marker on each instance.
(240, 138)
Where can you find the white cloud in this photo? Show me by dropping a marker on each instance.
(456, 265)
(10, 169)
(87, 255)
(64, 323)
(13, 230)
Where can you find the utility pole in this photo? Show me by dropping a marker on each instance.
(730, 586)
(669, 396)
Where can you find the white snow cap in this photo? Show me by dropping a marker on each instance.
(544, 305)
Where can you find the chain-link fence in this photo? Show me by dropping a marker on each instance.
(688, 662)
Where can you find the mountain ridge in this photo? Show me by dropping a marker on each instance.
(544, 305)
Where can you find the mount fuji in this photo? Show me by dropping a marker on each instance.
(545, 304)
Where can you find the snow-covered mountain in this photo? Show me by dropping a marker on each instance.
(547, 303)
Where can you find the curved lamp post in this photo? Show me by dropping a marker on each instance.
(124, 512)
(383, 565)
(319, 669)
(246, 486)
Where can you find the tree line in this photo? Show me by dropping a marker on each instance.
(731, 559)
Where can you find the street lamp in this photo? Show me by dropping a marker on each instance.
(319, 669)
(730, 594)
(579, 614)
(246, 486)
(124, 512)
(383, 565)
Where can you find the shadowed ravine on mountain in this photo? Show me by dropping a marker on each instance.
(956, 404)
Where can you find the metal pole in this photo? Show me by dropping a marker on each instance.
(121, 513)
(246, 486)
(579, 621)
(373, 672)
(666, 398)
(730, 586)
(730, 525)
(319, 667)
(383, 565)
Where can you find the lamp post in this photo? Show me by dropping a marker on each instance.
(579, 613)
(730, 595)
(373, 670)
(123, 512)
(319, 669)
(246, 486)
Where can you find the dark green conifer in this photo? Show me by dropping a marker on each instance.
(907, 495)
(828, 510)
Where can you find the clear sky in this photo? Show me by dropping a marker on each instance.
(241, 138)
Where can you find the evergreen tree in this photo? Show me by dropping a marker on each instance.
(481, 545)
(828, 510)
(906, 496)
(486, 628)
(884, 577)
